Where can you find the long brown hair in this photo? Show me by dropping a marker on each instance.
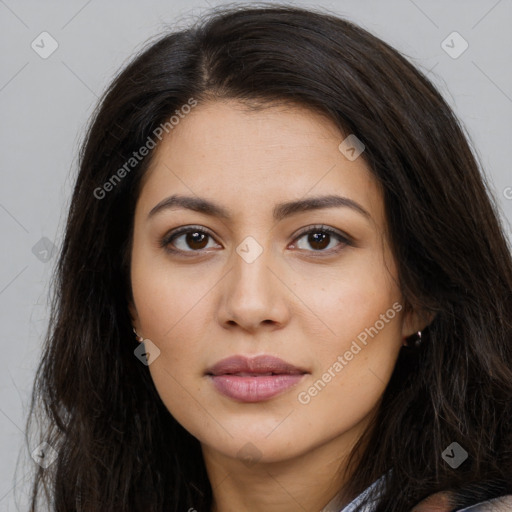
(118, 447)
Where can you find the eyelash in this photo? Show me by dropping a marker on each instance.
(341, 237)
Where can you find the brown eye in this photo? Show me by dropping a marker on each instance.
(189, 240)
(321, 239)
(196, 240)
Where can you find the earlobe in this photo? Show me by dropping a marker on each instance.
(415, 322)
(135, 320)
(137, 337)
(412, 327)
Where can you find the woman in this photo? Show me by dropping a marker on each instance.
(283, 286)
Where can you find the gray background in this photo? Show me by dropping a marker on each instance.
(46, 103)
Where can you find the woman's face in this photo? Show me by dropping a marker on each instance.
(247, 280)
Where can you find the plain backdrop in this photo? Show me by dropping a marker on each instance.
(46, 103)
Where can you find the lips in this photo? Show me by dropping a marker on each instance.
(256, 366)
(254, 380)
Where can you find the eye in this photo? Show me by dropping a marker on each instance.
(195, 239)
(187, 239)
(321, 239)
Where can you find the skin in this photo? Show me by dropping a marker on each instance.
(303, 305)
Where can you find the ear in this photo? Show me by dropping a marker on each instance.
(414, 321)
(134, 316)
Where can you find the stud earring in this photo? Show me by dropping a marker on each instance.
(413, 340)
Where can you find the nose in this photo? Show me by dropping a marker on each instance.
(253, 296)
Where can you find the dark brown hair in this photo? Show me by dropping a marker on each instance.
(118, 446)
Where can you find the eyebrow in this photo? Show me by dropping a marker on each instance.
(280, 211)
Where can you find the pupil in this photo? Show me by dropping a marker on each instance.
(318, 240)
(194, 240)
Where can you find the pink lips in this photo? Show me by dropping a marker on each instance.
(255, 379)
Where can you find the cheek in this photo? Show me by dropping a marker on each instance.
(352, 369)
(176, 325)
(172, 305)
(168, 296)
(173, 318)
(180, 392)
(357, 339)
(349, 300)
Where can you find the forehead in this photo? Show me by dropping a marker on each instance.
(253, 159)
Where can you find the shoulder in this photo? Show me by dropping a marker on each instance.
(441, 502)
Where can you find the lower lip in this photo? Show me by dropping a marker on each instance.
(254, 389)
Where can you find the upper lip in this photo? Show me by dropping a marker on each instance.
(254, 365)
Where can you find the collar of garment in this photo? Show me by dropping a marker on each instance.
(375, 491)
(503, 504)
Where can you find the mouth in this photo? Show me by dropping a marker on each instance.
(263, 365)
(254, 379)
(257, 374)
